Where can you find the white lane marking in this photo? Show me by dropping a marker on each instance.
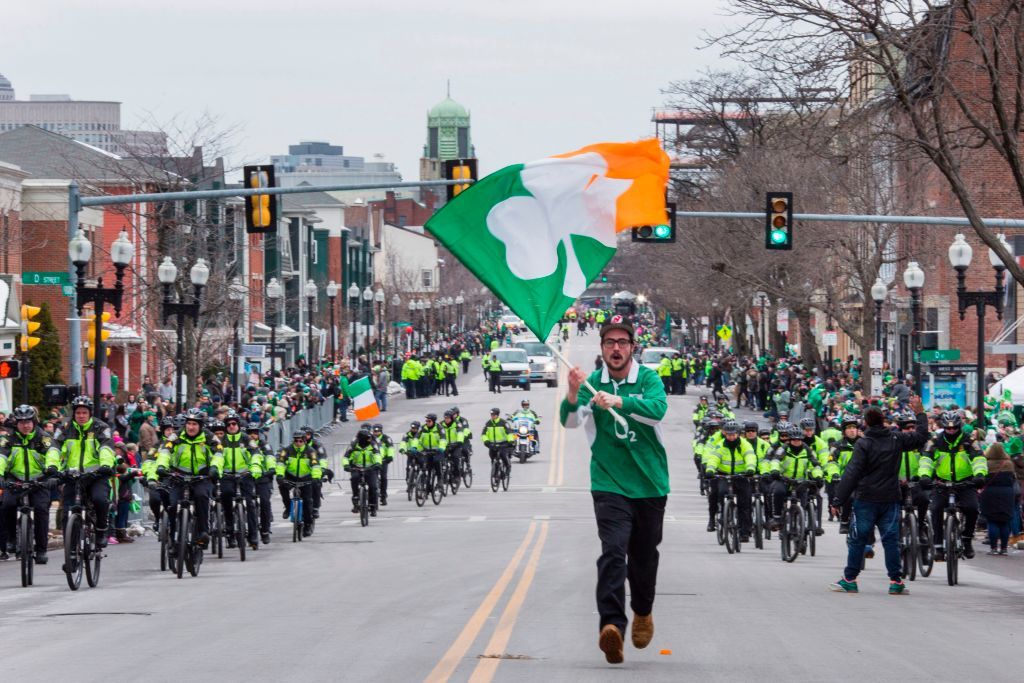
(281, 525)
(542, 517)
(349, 522)
(478, 518)
(412, 520)
(548, 489)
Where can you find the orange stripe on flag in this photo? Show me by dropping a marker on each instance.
(367, 412)
(646, 164)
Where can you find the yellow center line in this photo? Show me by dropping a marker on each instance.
(450, 661)
(561, 455)
(486, 668)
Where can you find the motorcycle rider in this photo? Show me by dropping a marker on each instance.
(85, 444)
(524, 411)
(25, 456)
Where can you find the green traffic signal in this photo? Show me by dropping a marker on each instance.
(662, 232)
(778, 236)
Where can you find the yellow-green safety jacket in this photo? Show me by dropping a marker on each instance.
(26, 458)
(938, 461)
(357, 456)
(797, 463)
(731, 457)
(191, 454)
(431, 438)
(495, 433)
(237, 457)
(298, 463)
(83, 448)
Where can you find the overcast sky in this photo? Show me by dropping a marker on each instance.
(538, 76)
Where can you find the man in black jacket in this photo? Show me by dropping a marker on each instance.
(872, 478)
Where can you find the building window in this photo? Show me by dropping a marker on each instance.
(403, 220)
(463, 142)
(428, 279)
(432, 142)
(930, 339)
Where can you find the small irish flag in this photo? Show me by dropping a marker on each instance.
(537, 234)
(363, 403)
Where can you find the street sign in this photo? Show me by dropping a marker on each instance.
(938, 355)
(875, 360)
(876, 382)
(254, 350)
(401, 324)
(724, 332)
(67, 290)
(830, 338)
(57, 277)
(953, 368)
(782, 320)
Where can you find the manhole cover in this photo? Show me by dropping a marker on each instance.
(99, 614)
(504, 656)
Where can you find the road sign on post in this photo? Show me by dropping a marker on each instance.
(939, 355)
(875, 360)
(782, 320)
(45, 278)
(830, 338)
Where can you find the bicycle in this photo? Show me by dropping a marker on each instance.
(452, 475)
(22, 491)
(810, 507)
(186, 550)
(500, 472)
(433, 480)
(793, 534)
(81, 552)
(953, 530)
(728, 527)
(296, 509)
(362, 494)
(759, 525)
(163, 529)
(240, 511)
(910, 540)
(216, 522)
(465, 466)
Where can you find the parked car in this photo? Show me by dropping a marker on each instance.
(651, 357)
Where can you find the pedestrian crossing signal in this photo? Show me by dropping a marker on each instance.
(459, 169)
(10, 369)
(260, 209)
(664, 232)
(778, 231)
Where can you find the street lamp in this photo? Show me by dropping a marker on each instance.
(960, 254)
(412, 318)
(879, 291)
(236, 293)
(80, 251)
(913, 278)
(367, 322)
(459, 301)
(311, 292)
(396, 301)
(378, 298)
(275, 292)
(425, 306)
(332, 294)
(353, 299)
(167, 273)
(762, 299)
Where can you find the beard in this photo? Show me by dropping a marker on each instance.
(616, 360)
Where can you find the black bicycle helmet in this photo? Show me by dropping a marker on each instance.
(764, 431)
(850, 421)
(414, 426)
(310, 432)
(232, 416)
(431, 416)
(951, 418)
(905, 419)
(24, 412)
(179, 421)
(730, 427)
(81, 401)
(217, 426)
(795, 433)
(449, 414)
(377, 428)
(715, 415)
(166, 422)
(750, 426)
(254, 427)
(524, 403)
(782, 427)
(195, 415)
(455, 410)
(808, 423)
(495, 411)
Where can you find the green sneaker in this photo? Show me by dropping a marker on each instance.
(843, 586)
(898, 588)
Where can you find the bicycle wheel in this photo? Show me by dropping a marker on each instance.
(926, 550)
(495, 476)
(25, 546)
(217, 532)
(455, 479)
(195, 551)
(785, 546)
(164, 538)
(296, 517)
(506, 476)
(73, 551)
(812, 527)
(759, 524)
(93, 556)
(720, 524)
(952, 537)
(181, 541)
(734, 526)
(410, 483)
(421, 488)
(467, 473)
(908, 546)
(436, 487)
(241, 530)
(728, 509)
(364, 506)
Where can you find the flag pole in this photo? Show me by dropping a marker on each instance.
(558, 354)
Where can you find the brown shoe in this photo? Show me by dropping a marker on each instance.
(643, 631)
(610, 643)
(123, 537)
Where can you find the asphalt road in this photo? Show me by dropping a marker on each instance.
(499, 586)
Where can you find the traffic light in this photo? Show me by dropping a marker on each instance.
(260, 209)
(663, 232)
(778, 230)
(459, 169)
(28, 327)
(90, 335)
(10, 369)
(604, 277)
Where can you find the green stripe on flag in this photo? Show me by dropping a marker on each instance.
(358, 387)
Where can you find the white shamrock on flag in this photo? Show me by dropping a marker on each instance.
(570, 196)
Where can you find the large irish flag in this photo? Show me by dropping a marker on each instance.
(537, 234)
(363, 403)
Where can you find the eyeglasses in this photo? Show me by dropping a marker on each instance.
(612, 343)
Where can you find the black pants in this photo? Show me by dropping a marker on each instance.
(741, 488)
(265, 492)
(630, 531)
(40, 502)
(384, 481)
(465, 367)
(372, 479)
(201, 491)
(410, 388)
(318, 488)
(500, 452)
(968, 499)
(227, 499)
(450, 386)
(98, 492)
(495, 382)
(677, 383)
(158, 500)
